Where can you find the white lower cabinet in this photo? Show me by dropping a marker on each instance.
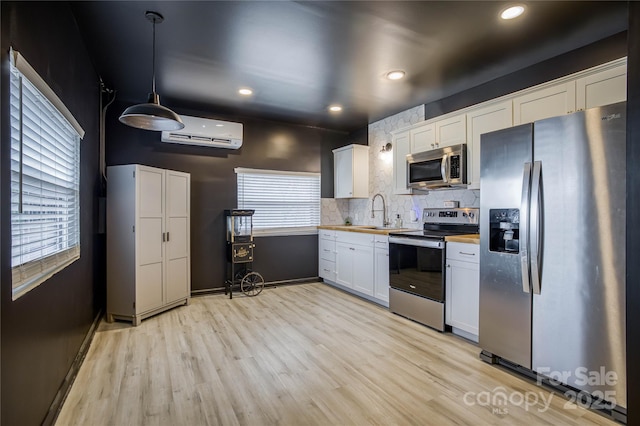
(361, 264)
(327, 254)
(354, 261)
(381, 273)
(463, 289)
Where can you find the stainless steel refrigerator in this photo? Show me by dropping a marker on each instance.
(552, 241)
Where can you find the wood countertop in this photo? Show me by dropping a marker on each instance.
(465, 238)
(362, 228)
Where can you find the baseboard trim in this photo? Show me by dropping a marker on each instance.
(65, 387)
(216, 290)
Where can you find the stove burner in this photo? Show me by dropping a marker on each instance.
(439, 223)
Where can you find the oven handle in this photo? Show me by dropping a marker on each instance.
(418, 242)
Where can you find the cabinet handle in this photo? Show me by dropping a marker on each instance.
(467, 254)
(167, 237)
(351, 248)
(412, 286)
(448, 266)
(164, 237)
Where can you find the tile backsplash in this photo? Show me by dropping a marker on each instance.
(409, 207)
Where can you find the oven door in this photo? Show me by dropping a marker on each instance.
(416, 265)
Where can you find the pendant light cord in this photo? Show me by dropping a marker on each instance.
(153, 61)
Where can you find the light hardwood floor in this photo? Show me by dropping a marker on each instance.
(297, 355)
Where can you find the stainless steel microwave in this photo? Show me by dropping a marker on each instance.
(438, 168)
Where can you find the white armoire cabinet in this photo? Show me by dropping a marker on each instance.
(148, 241)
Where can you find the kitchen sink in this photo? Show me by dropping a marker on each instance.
(382, 228)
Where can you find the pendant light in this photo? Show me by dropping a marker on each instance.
(152, 115)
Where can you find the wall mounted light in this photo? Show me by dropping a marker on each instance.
(152, 115)
(387, 147)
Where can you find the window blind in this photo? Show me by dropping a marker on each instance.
(45, 178)
(280, 199)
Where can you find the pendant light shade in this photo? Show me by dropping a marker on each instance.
(152, 115)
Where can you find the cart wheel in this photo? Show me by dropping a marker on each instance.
(252, 284)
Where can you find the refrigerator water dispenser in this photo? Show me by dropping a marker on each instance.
(504, 230)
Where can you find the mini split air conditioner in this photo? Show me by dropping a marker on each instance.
(206, 132)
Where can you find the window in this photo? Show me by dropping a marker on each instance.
(285, 202)
(45, 179)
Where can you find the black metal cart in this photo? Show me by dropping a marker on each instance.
(240, 247)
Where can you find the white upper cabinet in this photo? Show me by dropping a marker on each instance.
(438, 134)
(603, 88)
(597, 86)
(351, 171)
(488, 118)
(401, 147)
(451, 131)
(423, 137)
(553, 101)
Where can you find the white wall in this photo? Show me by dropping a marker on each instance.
(381, 181)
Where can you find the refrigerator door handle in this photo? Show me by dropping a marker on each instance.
(524, 226)
(443, 168)
(536, 226)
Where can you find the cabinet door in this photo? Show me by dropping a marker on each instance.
(343, 173)
(327, 269)
(177, 247)
(603, 88)
(451, 131)
(423, 138)
(381, 290)
(549, 102)
(363, 269)
(463, 295)
(327, 249)
(489, 118)
(149, 245)
(344, 264)
(401, 149)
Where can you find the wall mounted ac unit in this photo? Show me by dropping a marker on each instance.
(206, 132)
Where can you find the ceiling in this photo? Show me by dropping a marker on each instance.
(300, 57)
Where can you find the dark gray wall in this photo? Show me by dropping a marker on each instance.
(266, 145)
(42, 331)
(633, 223)
(606, 50)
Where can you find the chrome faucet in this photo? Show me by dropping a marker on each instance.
(385, 222)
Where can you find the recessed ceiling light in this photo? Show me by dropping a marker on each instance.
(512, 12)
(335, 108)
(245, 91)
(219, 125)
(395, 75)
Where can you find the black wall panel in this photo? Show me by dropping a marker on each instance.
(266, 145)
(633, 223)
(42, 331)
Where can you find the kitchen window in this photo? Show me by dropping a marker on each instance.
(45, 180)
(285, 203)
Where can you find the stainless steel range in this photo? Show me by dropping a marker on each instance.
(417, 264)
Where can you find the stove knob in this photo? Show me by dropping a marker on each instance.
(464, 214)
(471, 215)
